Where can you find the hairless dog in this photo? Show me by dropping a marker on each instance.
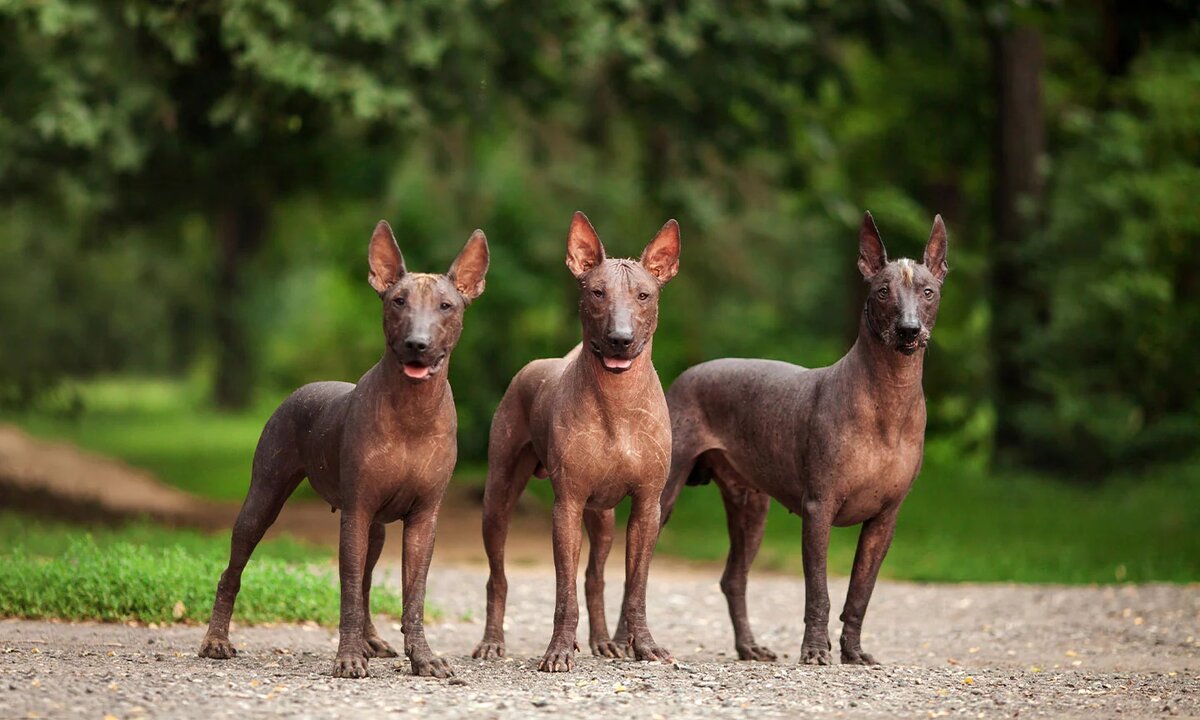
(595, 422)
(379, 451)
(839, 445)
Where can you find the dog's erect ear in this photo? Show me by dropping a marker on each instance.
(661, 256)
(935, 250)
(387, 264)
(584, 250)
(871, 254)
(470, 266)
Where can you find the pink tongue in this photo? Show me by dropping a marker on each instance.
(416, 371)
(617, 363)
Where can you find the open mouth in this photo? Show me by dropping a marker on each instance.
(420, 370)
(616, 365)
(909, 347)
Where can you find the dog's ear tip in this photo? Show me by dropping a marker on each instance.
(478, 235)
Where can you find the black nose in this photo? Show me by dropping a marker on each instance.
(418, 343)
(908, 331)
(620, 339)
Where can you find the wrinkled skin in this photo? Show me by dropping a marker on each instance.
(379, 451)
(840, 445)
(595, 422)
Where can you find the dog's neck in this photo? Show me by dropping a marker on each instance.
(615, 391)
(410, 399)
(884, 368)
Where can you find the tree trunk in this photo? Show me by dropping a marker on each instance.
(239, 230)
(1016, 202)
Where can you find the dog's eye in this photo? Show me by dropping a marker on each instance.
(399, 301)
(597, 292)
(643, 296)
(928, 293)
(445, 306)
(882, 292)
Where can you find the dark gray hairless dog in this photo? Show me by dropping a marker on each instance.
(379, 451)
(839, 445)
(595, 422)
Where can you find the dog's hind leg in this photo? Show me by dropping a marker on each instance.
(376, 646)
(746, 514)
(273, 480)
(511, 461)
(599, 524)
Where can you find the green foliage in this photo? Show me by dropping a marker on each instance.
(150, 574)
(962, 523)
(131, 133)
(1118, 362)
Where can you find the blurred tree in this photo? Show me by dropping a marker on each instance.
(1018, 167)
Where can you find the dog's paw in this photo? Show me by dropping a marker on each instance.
(217, 648)
(856, 656)
(377, 647)
(558, 658)
(754, 651)
(605, 648)
(815, 656)
(430, 665)
(649, 650)
(350, 665)
(489, 650)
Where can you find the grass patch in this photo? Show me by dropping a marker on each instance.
(152, 574)
(162, 426)
(961, 523)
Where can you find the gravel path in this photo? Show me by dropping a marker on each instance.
(961, 650)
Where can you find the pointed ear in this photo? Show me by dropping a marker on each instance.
(661, 256)
(871, 254)
(935, 250)
(383, 255)
(470, 266)
(584, 250)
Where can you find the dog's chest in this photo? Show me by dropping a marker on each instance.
(874, 474)
(617, 451)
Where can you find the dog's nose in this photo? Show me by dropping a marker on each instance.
(620, 339)
(419, 343)
(908, 331)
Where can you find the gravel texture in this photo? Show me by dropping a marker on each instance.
(951, 650)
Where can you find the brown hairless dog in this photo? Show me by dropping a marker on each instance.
(379, 451)
(595, 422)
(839, 445)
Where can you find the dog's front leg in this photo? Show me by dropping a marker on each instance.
(419, 530)
(351, 660)
(818, 519)
(642, 535)
(560, 654)
(873, 543)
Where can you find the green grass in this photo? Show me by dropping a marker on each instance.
(152, 574)
(164, 427)
(961, 523)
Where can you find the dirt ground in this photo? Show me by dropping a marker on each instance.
(950, 650)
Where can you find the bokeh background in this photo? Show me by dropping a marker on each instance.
(187, 189)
